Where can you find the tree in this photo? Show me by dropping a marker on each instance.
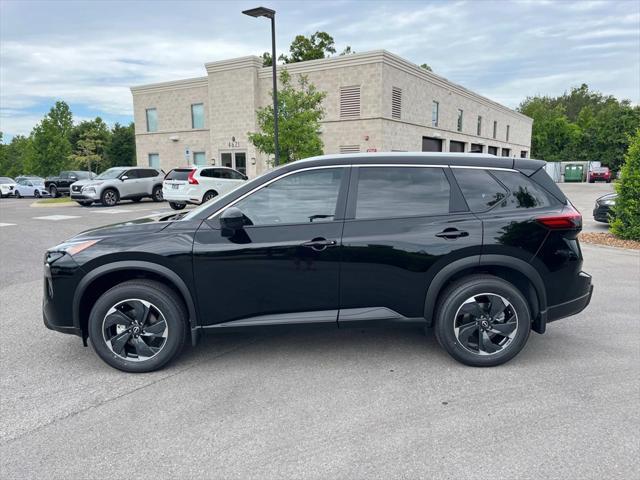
(121, 150)
(318, 45)
(51, 145)
(426, 67)
(15, 155)
(347, 51)
(89, 140)
(299, 113)
(626, 223)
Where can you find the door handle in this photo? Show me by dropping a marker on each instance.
(319, 244)
(452, 233)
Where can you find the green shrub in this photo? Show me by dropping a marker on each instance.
(627, 210)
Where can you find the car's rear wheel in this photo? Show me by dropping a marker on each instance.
(17, 194)
(36, 194)
(109, 198)
(53, 191)
(177, 206)
(157, 194)
(482, 321)
(138, 326)
(209, 196)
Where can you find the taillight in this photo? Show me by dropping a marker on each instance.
(570, 218)
(192, 180)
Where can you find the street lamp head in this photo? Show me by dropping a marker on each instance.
(260, 12)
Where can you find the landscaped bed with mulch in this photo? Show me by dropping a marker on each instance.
(608, 239)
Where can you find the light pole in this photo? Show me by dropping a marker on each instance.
(268, 13)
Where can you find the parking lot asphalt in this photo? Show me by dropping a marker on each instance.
(352, 403)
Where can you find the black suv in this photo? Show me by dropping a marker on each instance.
(61, 184)
(483, 248)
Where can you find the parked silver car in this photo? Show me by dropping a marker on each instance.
(119, 183)
(7, 185)
(30, 187)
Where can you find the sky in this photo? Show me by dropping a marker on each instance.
(89, 53)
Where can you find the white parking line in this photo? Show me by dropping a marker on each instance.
(55, 218)
(112, 210)
(7, 224)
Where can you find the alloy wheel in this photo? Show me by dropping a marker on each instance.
(135, 330)
(485, 324)
(158, 195)
(110, 198)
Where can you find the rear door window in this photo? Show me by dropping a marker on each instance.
(147, 173)
(387, 192)
(480, 189)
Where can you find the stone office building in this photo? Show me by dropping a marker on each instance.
(376, 101)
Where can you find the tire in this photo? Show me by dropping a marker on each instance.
(495, 349)
(209, 195)
(85, 204)
(163, 344)
(109, 197)
(36, 194)
(156, 194)
(177, 206)
(17, 194)
(53, 191)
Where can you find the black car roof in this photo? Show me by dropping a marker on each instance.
(524, 165)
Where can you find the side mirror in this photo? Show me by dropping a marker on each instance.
(231, 220)
(124, 177)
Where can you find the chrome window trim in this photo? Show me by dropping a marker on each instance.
(361, 165)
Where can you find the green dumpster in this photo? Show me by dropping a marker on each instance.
(573, 172)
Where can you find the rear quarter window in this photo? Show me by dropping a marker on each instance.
(523, 193)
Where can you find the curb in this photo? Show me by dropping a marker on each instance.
(70, 203)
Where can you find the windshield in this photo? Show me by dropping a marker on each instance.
(6, 180)
(110, 174)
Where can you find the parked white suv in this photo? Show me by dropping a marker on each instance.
(199, 184)
(119, 183)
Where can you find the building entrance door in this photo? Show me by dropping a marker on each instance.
(235, 160)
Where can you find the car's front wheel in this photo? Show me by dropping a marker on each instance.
(53, 191)
(177, 206)
(138, 326)
(17, 194)
(482, 321)
(109, 198)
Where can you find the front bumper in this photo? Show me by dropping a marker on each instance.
(601, 213)
(573, 306)
(57, 296)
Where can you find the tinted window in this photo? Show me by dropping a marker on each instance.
(401, 192)
(480, 190)
(303, 197)
(523, 192)
(147, 173)
(132, 174)
(208, 173)
(236, 175)
(178, 174)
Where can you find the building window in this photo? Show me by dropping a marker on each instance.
(349, 148)
(456, 146)
(479, 129)
(396, 103)
(495, 129)
(477, 148)
(508, 127)
(506, 152)
(350, 102)
(523, 154)
(435, 113)
(199, 158)
(197, 115)
(460, 113)
(154, 160)
(152, 120)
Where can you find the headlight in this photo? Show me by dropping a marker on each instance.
(72, 247)
(89, 189)
(608, 202)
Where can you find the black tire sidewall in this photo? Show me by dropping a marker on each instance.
(453, 299)
(164, 299)
(176, 206)
(154, 194)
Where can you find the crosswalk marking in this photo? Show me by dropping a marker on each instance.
(55, 218)
(112, 210)
(7, 224)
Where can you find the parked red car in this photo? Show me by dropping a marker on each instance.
(602, 174)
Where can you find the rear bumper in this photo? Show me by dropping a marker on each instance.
(575, 305)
